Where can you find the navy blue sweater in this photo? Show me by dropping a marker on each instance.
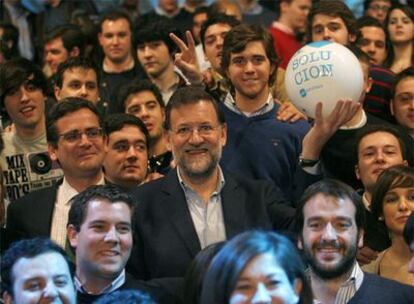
(262, 147)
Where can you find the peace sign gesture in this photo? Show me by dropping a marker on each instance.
(186, 59)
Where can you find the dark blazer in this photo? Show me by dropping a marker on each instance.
(31, 215)
(165, 238)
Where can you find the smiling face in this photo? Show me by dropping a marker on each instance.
(400, 27)
(325, 27)
(115, 40)
(84, 157)
(330, 235)
(402, 105)
(79, 82)
(213, 43)
(376, 152)
(25, 106)
(103, 243)
(397, 205)
(145, 106)
(249, 71)
(43, 279)
(126, 159)
(155, 58)
(197, 154)
(264, 281)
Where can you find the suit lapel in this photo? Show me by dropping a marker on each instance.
(177, 211)
(233, 201)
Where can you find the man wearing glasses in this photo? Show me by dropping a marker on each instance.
(377, 9)
(76, 141)
(198, 203)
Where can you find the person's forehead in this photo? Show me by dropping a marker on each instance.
(27, 268)
(217, 28)
(325, 19)
(118, 24)
(101, 209)
(369, 31)
(127, 132)
(380, 2)
(79, 72)
(327, 206)
(193, 112)
(252, 48)
(141, 97)
(54, 43)
(74, 117)
(377, 139)
(405, 84)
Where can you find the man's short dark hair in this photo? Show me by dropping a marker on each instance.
(237, 39)
(18, 71)
(158, 29)
(108, 193)
(71, 36)
(407, 73)
(72, 63)
(333, 8)
(190, 95)
(61, 109)
(333, 188)
(217, 19)
(29, 248)
(137, 86)
(116, 122)
(370, 129)
(114, 16)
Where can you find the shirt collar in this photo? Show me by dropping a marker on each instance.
(114, 285)
(219, 186)
(268, 106)
(68, 192)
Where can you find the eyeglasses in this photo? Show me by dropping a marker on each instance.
(379, 8)
(404, 98)
(202, 130)
(76, 135)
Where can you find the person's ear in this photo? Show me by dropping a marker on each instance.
(298, 289)
(356, 169)
(361, 238)
(75, 52)
(72, 235)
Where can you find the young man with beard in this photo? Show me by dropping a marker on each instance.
(330, 221)
(198, 203)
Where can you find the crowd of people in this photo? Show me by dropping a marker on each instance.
(154, 155)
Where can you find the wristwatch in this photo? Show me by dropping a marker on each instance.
(303, 162)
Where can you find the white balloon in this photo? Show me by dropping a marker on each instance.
(324, 72)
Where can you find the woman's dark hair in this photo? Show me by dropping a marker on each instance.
(399, 176)
(227, 266)
(410, 14)
(194, 277)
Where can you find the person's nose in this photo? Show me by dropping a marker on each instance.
(112, 235)
(329, 233)
(195, 137)
(50, 291)
(262, 295)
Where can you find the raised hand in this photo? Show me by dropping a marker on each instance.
(186, 59)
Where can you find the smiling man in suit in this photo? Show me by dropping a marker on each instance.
(198, 203)
(75, 139)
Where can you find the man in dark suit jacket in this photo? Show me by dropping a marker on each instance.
(197, 204)
(75, 139)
